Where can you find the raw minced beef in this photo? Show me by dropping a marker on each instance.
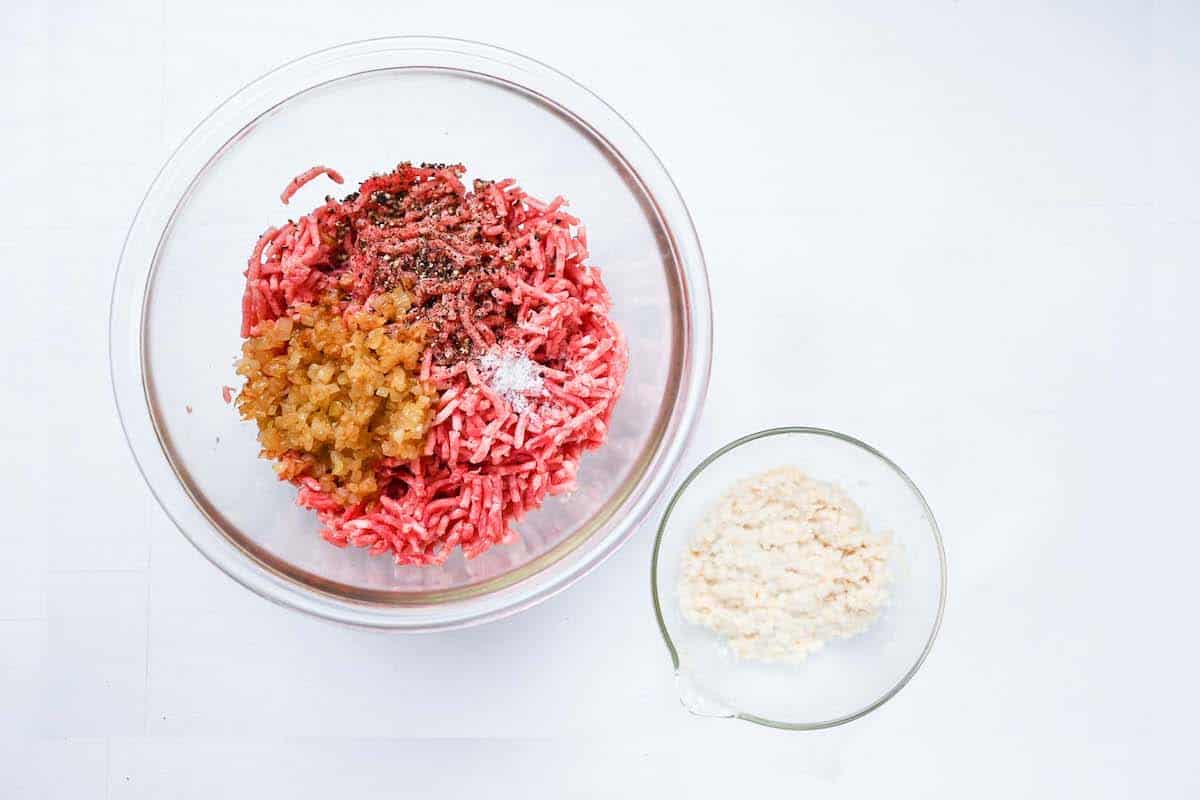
(487, 270)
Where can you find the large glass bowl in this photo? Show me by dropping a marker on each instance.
(361, 108)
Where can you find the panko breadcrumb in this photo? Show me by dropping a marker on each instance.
(782, 564)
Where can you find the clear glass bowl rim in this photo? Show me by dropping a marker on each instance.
(933, 527)
(128, 379)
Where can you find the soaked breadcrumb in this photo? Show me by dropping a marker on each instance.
(782, 564)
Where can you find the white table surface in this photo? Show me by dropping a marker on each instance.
(973, 241)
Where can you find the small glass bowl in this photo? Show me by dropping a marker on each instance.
(847, 678)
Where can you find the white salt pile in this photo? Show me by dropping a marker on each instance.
(512, 375)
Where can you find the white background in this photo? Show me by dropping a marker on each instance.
(968, 233)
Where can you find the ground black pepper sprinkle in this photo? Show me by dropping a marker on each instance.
(416, 229)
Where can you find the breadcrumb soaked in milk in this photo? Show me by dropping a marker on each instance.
(782, 564)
